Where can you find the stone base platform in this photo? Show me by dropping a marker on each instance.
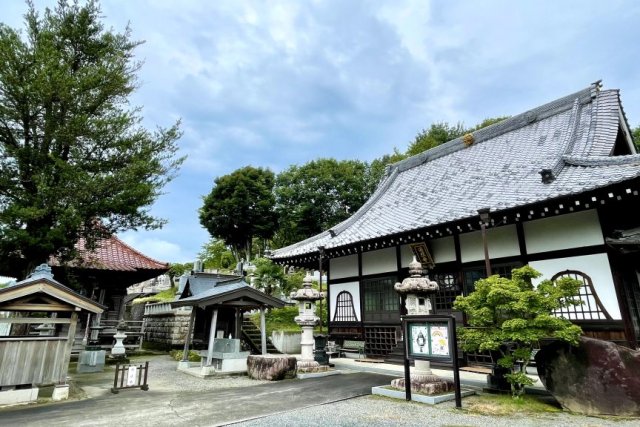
(429, 384)
(18, 397)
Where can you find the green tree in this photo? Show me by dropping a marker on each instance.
(441, 132)
(438, 133)
(316, 196)
(268, 277)
(216, 255)
(635, 132)
(241, 207)
(488, 122)
(75, 160)
(178, 269)
(511, 316)
(377, 169)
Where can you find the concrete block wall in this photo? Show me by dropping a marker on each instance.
(167, 328)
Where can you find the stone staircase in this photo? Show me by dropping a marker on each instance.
(252, 335)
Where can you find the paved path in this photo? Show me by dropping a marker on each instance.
(210, 408)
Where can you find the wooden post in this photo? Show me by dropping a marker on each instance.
(320, 255)
(263, 333)
(67, 355)
(187, 338)
(212, 335)
(487, 263)
(238, 324)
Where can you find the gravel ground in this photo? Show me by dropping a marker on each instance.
(163, 376)
(379, 411)
(362, 411)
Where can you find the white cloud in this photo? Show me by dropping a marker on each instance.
(158, 249)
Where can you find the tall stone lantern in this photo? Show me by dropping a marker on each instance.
(418, 291)
(307, 319)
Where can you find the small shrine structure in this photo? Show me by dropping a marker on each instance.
(218, 303)
(36, 346)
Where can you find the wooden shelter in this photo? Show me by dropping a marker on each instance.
(218, 303)
(35, 347)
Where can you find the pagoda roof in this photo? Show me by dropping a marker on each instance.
(110, 263)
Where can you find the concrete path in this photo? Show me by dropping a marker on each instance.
(210, 408)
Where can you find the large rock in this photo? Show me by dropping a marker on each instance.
(272, 367)
(595, 378)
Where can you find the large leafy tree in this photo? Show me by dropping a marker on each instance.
(635, 132)
(216, 255)
(241, 207)
(511, 316)
(438, 133)
(75, 160)
(318, 195)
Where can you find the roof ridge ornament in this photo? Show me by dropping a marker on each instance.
(43, 271)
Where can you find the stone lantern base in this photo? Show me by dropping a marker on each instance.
(424, 381)
(308, 366)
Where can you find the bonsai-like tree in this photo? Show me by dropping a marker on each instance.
(511, 316)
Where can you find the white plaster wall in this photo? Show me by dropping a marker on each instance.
(406, 255)
(595, 266)
(351, 287)
(443, 250)
(380, 261)
(346, 266)
(502, 242)
(573, 230)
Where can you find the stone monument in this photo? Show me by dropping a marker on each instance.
(418, 291)
(307, 319)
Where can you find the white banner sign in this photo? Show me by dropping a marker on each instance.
(132, 376)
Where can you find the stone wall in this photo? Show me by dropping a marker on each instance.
(167, 328)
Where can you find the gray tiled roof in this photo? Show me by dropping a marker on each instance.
(218, 289)
(572, 137)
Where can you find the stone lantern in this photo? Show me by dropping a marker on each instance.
(418, 291)
(118, 351)
(307, 319)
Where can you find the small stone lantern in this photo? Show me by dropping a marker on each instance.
(118, 349)
(307, 319)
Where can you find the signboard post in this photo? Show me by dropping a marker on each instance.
(431, 338)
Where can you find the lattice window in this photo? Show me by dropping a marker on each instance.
(345, 312)
(381, 302)
(471, 276)
(448, 290)
(591, 308)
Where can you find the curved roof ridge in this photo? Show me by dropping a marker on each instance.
(138, 253)
(516, 122)
(629, 159)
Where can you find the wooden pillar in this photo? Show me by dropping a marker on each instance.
(238, 324)
(67, 354)
(263, 330)
(187, 338)
(85, 339)
(212, 335)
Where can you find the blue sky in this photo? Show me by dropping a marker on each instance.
(277, 83)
